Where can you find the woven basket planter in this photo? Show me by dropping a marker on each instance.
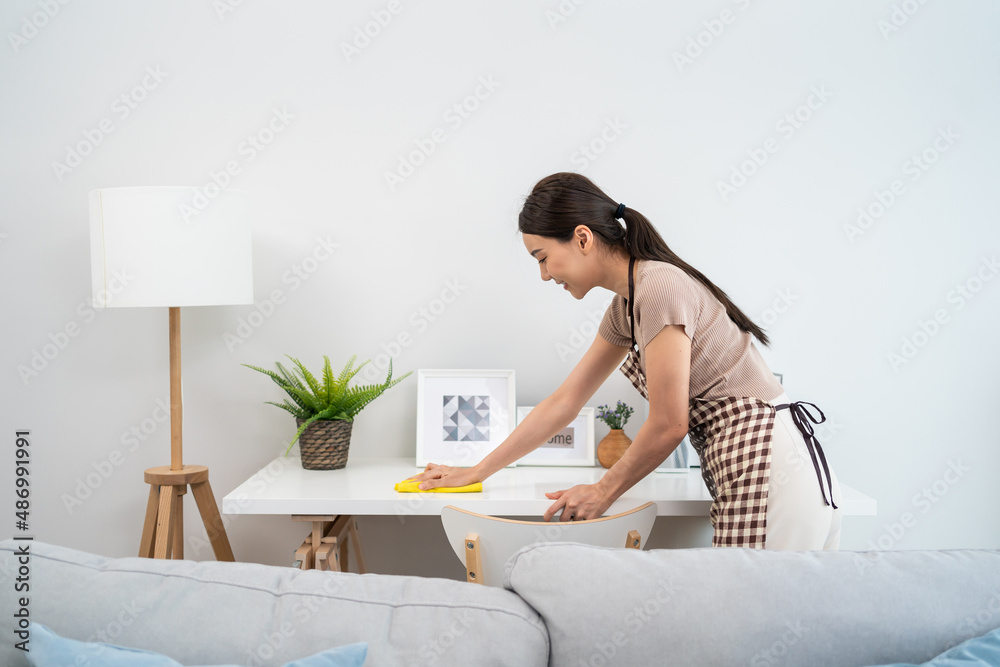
(324, 444)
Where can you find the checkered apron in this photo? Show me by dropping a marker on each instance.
(732, 436)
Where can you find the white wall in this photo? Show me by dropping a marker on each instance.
(835, 306)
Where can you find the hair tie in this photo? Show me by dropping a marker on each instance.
(620, 211)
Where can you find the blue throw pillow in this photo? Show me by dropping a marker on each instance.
(980, 651)
(50, 650)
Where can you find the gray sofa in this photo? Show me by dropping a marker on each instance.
(562, 604)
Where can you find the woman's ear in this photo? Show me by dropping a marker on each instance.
(583, 238)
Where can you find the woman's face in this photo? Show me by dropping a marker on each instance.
(565, 263)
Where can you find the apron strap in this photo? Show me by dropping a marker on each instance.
(631, 298)
(801, 417)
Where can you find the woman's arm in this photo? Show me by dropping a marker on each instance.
(558, 410)
(668, 369)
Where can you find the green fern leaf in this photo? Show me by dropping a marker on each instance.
(327, 380)
(296, 412)
(342, 380)
(313, 385)
(310, 402)
(271, 374)
(290, 378)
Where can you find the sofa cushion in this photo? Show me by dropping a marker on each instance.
(50, 650)
(745, 606)
(264, 615)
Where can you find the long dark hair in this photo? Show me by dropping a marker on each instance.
(560, 202)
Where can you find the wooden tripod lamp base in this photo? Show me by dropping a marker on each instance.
(163, 530)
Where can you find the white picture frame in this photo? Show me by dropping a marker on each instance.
(462, 414)
(573, 446)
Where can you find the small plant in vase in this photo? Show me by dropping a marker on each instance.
(614, 444)
(324, 411)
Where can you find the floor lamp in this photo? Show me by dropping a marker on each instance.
(172, 247)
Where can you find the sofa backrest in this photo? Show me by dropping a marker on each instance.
(759, 608)
(252, 614)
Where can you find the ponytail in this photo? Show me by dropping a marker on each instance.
(560, 202)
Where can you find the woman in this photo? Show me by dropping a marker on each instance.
(687, 349)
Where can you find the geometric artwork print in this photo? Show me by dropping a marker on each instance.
(466, 418)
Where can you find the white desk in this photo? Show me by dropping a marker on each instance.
(365, 487)
(330, 499)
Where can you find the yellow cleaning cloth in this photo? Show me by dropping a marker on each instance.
(410, 486)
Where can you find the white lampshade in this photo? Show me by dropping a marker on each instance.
(169, 246)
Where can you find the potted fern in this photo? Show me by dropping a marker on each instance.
(324, 411)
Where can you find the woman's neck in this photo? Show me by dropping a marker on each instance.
(616, 277)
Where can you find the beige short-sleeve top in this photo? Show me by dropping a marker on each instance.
(724, 360)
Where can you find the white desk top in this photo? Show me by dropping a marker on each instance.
(365, 487)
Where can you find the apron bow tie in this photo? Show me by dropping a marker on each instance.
(801, 416)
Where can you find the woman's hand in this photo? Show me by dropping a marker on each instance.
(578, 503)
(435, 475)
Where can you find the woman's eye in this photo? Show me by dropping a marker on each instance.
(541, 260)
